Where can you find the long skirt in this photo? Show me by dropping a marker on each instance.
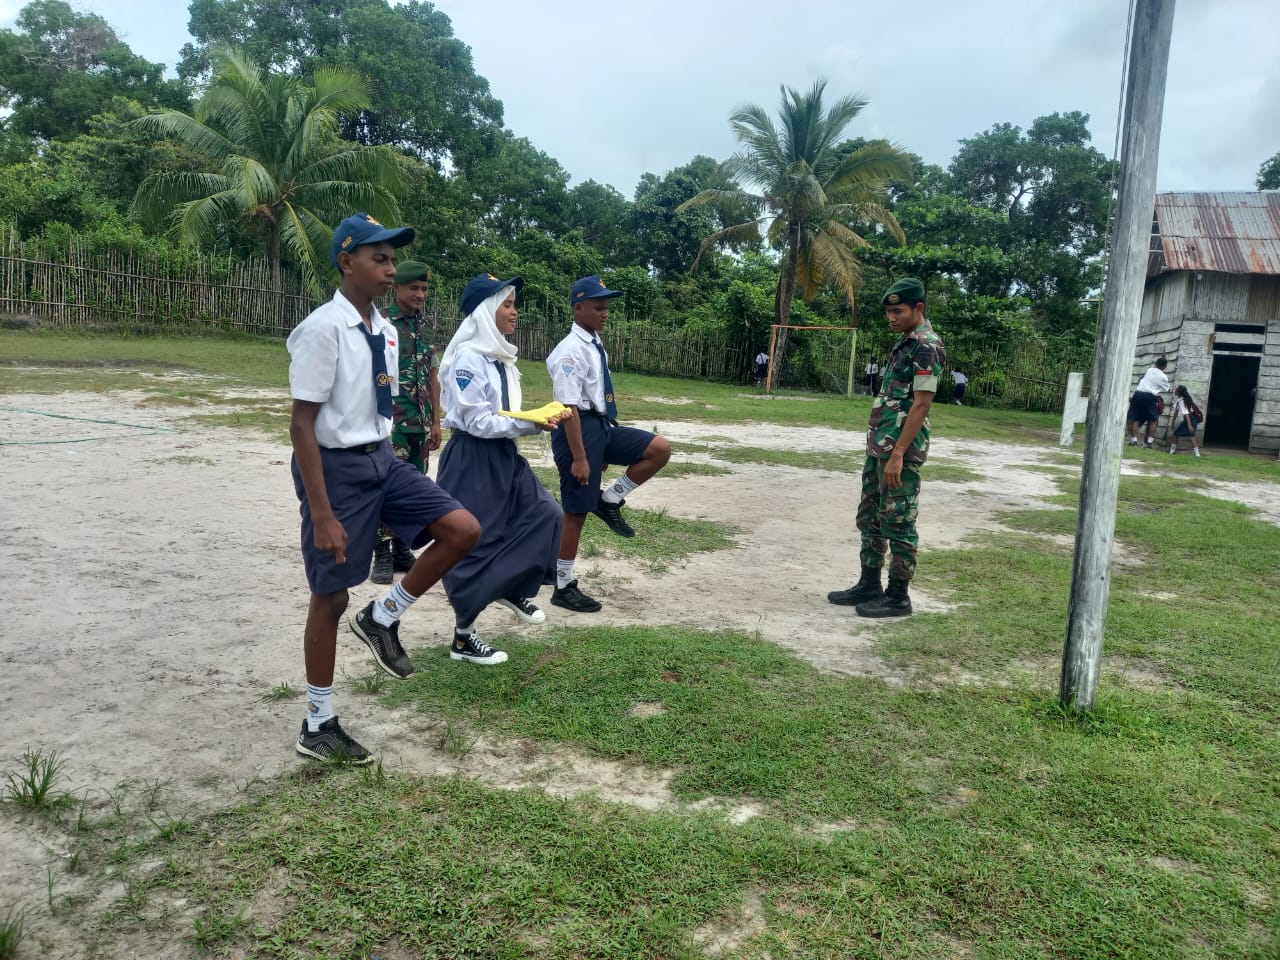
(519, 520)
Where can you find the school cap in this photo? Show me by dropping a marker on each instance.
(591, 288)
(412, 270)
(484, 286)
(361, 229)
(907, 290)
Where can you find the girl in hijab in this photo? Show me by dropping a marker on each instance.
(484, 471)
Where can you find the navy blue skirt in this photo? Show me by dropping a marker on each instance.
(519, 520)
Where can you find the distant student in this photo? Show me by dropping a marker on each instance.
(481, 466)
(957, 392)
(348, 480)
(1186, 417)
(871, 377)
(762, 367)
(580, 378)
(1144, 406)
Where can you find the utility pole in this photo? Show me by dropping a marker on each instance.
(1113, 362)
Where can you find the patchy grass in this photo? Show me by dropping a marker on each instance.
(949, 472)
(804, 459)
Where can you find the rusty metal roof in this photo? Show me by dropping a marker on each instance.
(1220, 232)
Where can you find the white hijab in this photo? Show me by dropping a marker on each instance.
(479, 332)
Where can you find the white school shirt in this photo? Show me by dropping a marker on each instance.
(959, 378)
(762, 358)
(330, 364)
(1154, 381)
(472, 396)
(873, 368)
(577, 375)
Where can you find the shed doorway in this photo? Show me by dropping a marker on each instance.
(1233, 388)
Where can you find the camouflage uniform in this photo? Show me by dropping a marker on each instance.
(887, 518)
(413, 413)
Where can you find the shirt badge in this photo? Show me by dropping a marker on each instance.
(464, 378)
(567, 368)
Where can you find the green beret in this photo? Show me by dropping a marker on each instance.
(412, 270)
(907, 290)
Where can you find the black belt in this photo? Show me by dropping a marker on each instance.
(363, 448)
(597, 413)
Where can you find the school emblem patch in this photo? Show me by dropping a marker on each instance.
(384, 379)
(464, 378)
(567, 368)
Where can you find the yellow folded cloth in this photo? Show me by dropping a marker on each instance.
(540, 415)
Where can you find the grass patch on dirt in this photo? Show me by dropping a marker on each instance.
(949, 472)
(804, 459)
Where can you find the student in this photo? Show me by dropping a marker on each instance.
(416, 429)
(762, 367)
(897, 446)
(348, 481)
(871, 377)
(1186, 417)
(961, 381)
(1144, 405)
(481, 466)
(580, 378)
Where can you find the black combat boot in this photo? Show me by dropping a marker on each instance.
(864, 591)
(382, 562)
(894, 603)
(401, 556)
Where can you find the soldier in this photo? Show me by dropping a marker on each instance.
(417, 407)
(897, 445)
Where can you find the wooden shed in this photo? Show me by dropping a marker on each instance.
(1212, 308)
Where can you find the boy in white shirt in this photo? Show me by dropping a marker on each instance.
(1144, 406)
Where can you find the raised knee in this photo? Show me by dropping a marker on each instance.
(659, 450)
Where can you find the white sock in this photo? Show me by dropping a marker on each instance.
(392, 607)
(1134, 438)
(468, 631)
(1197, 450)
(620, 489)
(319, 706)
(564, 573)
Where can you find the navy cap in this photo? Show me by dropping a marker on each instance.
(484, 286)
(591, 288)
(361, 229)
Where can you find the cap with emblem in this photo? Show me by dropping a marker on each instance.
(361, 229)
(591, 288)
(484, 286)
(412, 270)
(908, 290)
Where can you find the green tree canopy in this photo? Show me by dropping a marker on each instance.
(809, 193)
(61, 67)
(280, 164)
(1269, 174)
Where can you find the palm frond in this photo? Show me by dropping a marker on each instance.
(186, 130)
(158, 195)
(738, 233)
(199, 220)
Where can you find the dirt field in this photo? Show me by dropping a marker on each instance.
(155, 594)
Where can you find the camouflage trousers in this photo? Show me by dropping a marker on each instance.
(887, 518)
(411, 448)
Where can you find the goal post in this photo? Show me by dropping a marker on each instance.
(823, 361)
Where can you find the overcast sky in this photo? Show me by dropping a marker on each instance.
(615, 90)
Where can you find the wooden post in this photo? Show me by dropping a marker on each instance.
(1113, 363)
(773, 358)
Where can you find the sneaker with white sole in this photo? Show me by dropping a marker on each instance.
(331, 744)
(526, 610)
(469, 646)
(383, 643)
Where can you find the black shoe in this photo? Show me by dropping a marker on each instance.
(894, 603)
(611, 514)
(469, 646)
(864, 591)
(526, 610)
(571, 598)
(383, 643)
(402, 557)
(331, 743)
(383, 565)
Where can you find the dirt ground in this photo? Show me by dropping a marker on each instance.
(155, 594)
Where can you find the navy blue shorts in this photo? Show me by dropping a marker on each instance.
(366, 489)
(604, 443)
(1144, 408)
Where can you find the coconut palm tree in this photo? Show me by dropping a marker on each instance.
(811, 193)
(274, 140)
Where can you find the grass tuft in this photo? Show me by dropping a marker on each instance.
(35, 785)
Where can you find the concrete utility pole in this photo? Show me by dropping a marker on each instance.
(1113, 363)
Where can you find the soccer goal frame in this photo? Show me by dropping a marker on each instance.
(773, 351)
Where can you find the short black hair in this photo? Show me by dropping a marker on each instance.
(1161, 362)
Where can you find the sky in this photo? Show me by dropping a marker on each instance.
(612, 91)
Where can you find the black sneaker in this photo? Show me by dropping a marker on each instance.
(611, 514)
(383, 564)
(383, 643)
(331, 743)
(526, 610)
(469, 646)
(571, 598)
(402, 557)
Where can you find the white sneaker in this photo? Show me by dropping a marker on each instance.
(526, 610)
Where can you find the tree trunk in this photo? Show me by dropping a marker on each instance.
(273, 252)
(787, 277)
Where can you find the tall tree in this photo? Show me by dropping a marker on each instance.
(425, 95)
(808, 193)
(1269, 174)
(60, 67)
(280, 162)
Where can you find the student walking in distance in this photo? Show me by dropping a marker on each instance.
(416, 429)
(348, 481)
(1186, 417)
(897, 446)
(1144, 406)
(762, 367)
(961, 381)
(580, 378)
(481, 466)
